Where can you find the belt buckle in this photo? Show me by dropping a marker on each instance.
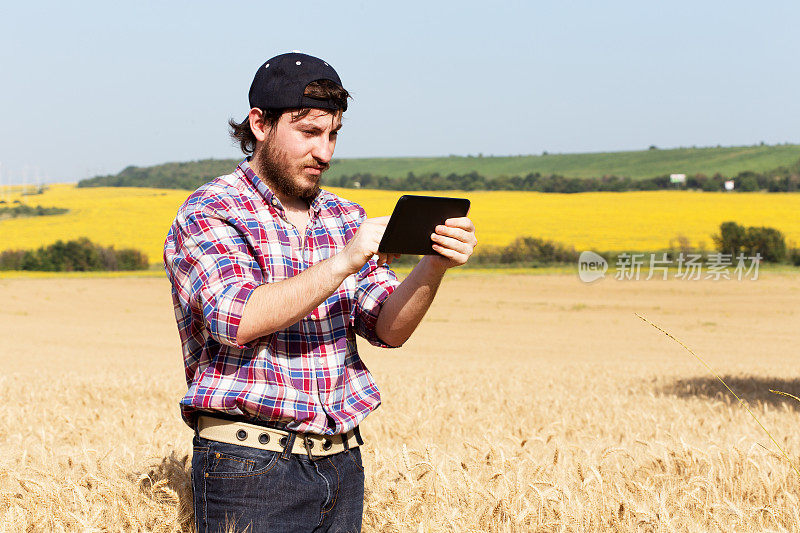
(306, 441)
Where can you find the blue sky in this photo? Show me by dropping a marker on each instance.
(91, 87)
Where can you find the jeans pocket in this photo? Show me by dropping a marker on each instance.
(230, 460)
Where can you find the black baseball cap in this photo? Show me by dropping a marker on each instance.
(281, 81)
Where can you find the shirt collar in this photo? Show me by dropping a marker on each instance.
(263, 189)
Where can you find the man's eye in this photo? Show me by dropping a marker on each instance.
(312, 133)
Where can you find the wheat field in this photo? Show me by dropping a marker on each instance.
(133, 217)
(521, 403)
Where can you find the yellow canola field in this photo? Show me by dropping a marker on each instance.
(133, 217)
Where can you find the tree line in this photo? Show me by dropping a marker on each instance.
(185, 175)
(24, 210)
(189, 176)
(732, 239)
(783, 179)
(83, 255)
(75, 255)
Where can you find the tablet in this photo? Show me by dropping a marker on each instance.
(414, 219)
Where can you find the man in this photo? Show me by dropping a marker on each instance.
(272, 277)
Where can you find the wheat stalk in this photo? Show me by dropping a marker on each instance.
(744, 404)
(785, 394)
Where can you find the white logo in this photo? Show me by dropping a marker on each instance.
(591, 267)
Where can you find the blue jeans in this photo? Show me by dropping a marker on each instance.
(237, 487)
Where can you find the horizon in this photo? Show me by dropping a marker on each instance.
(4, 182)
(482, 155)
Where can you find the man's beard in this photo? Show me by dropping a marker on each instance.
(276, 170)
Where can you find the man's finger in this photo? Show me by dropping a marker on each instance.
(450, 254)
(451, 243)
(457, 233)
(460, 222)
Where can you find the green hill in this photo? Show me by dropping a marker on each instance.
(728, 161)
(637, 165)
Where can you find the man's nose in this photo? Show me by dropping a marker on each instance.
(323, 150)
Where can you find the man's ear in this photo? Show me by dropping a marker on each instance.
(257, 124)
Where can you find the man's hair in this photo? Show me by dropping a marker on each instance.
(324, 89)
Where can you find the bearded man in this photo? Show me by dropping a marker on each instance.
(272, 277)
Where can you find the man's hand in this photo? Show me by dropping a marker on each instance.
(402, 311)
(455, 241)
(364, 245)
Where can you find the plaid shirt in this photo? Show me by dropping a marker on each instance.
(232, 235)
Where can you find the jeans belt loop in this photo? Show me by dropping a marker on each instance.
(306, 443)
(287, 450)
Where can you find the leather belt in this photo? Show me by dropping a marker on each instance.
(266, 438)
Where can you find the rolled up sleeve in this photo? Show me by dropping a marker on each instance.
(213, 266)
(375, 285)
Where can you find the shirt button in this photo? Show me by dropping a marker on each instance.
(274, 201)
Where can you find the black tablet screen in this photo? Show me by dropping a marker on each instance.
(414, 219)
